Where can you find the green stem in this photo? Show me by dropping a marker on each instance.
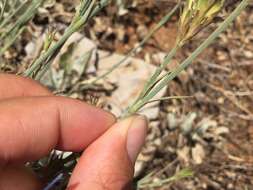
(24, 18)
(136, 107)
(101, 4)
(6, 20)
(8, 43)
(45, 58)
(133, 51)
(29, 72)
(152, 81)
(169, 98)
(4, 3)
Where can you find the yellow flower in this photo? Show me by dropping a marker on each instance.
(195, 16)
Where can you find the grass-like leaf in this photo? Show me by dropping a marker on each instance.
(164, 82)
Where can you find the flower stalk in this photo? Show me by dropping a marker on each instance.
(148, 93)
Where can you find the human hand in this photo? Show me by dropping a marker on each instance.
(34, 122)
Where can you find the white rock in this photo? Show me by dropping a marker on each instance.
(198, 154)
(130, 78)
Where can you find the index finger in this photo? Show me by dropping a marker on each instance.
(16, 86)
(31, 127)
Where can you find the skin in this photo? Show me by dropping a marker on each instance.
(34, 122)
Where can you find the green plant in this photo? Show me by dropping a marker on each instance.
(86, 10)
(148, 182)
(189, 16)
(196, 15)
(132, 52)
(14, 17)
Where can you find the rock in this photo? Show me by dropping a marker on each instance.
(76, 57)
(248, 54)
(184, 154)
(198, 154)
(187, 124)
(30, 49)
(129, 78)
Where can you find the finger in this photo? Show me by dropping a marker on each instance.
(18, 178)
(31, 127)
(108, 162)
(16, 86)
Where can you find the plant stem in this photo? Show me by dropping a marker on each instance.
(10, 32)
(45, 58)
(6, 20)
(87, 9)
(11, 41)
(134, 50)
(29, 72)
(140, 103)
(4, 3)
(152, 81)
(148, 183)
(24, 18)
(169, 98)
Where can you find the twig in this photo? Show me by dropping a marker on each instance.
(231, 97)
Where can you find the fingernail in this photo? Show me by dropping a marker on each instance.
(136, 136)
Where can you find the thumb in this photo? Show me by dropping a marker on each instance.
(108, 163)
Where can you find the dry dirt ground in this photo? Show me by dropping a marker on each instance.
(212, 132)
